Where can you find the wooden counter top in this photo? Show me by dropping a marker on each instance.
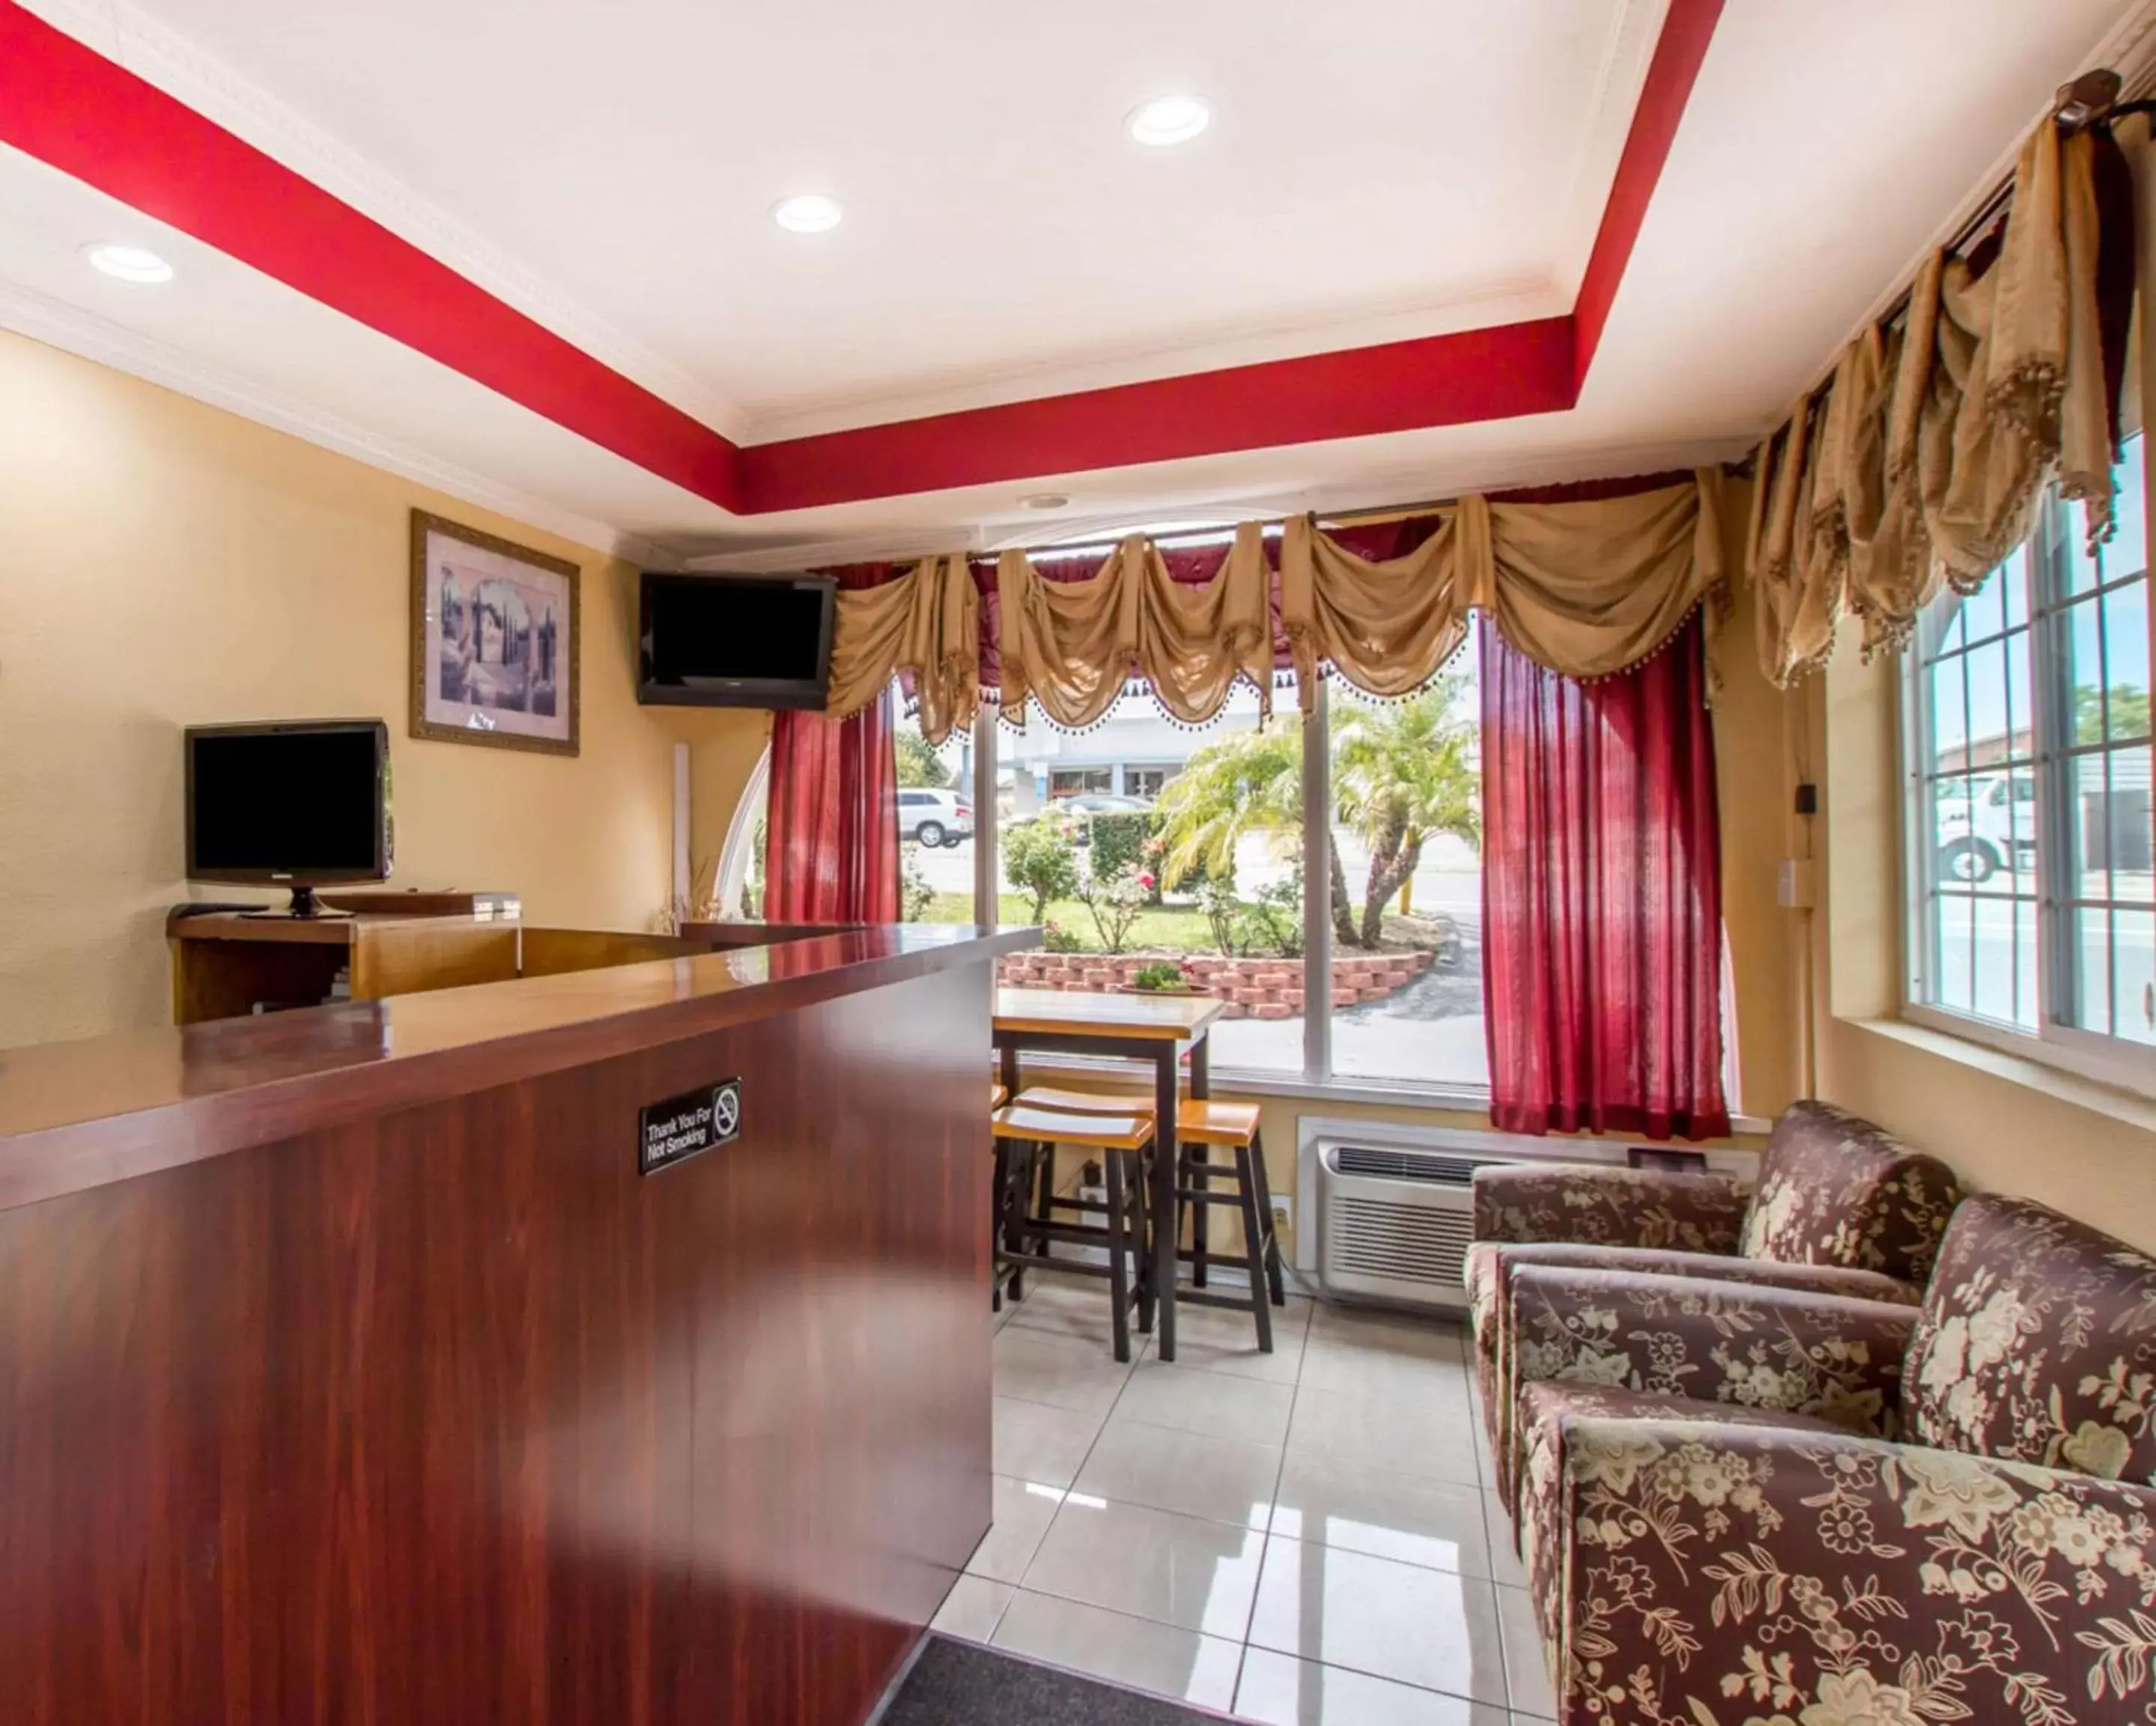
(82, 1114)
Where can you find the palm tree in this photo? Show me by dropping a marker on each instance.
(1401, 774)
(1249, 783)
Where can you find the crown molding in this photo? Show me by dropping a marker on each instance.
(59, 325)
(152, 51)
(1627, 52)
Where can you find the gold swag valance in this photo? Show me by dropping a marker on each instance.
(926, 621)
(1920, 459)
(1587, 588)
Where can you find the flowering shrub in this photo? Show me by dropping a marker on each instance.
(1114, 905)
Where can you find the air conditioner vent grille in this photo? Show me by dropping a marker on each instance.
(1432, 1167)
(1372, 1237)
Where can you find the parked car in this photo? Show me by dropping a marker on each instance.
(934, 817)
(1101, 803)
(1985, 823)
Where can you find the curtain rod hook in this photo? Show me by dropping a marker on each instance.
(2088, 98)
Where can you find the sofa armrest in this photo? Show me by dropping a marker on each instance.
(1613, 1207)
(1726, 1574)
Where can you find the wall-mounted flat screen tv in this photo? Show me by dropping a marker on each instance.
(735, 640)
(289, 804)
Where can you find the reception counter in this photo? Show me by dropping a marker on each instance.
(366, 1364)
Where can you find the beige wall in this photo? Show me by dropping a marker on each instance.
(164, 564)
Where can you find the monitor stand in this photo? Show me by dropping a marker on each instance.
(303, 904)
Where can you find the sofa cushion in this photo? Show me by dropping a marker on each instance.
(1835, 1189)
(2037, 1343)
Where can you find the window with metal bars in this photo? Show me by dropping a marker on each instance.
(2033, 913)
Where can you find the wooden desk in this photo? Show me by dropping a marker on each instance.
(1151, 1028)
(354, 1375)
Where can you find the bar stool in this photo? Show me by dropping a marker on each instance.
(1025, 1135)
(1201, 1123)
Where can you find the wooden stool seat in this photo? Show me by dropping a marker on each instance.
(1022, 1120)
(1088, 1103)
(1201, 1120)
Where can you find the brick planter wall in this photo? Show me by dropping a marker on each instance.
(1253, 989)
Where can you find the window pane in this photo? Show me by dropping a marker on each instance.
(1949, 722)
(2130, 837)
(1952, 984)
(1990, 740)
(1407, 988)
(2088, 869)
(2127, 552)
(2134, 932)
(2013, 578)
(1982, 612)
(2126, 658)
(1153, 847)
(2084, 636)
(2091, 997)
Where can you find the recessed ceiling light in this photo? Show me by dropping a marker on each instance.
(1046, 501)
(129, 264)
(811, 212)
(1169, 119)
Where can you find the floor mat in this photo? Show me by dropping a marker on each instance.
(954, 1684)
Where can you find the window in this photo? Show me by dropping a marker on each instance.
(1210, 839)
(2030, 837)
(1072, 781)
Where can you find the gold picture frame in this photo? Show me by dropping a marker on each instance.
(489, 663)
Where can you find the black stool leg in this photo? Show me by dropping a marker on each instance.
(1265, 1210)
(1198, 1155)
(998, 1224)
(1144, 1222)
(1119, 1285)
(1254, 1249)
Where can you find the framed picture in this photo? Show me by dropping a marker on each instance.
(495, 635)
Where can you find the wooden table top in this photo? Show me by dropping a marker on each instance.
(1060, 1013)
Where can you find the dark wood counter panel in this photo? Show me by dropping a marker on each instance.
(351, 1372)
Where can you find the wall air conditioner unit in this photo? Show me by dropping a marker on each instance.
(1394, 1223)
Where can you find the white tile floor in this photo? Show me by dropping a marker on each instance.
(1306, 1538)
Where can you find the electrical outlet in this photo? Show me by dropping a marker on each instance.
(1283, 1212)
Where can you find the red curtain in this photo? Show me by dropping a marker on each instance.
(1602, 896)
(831, 822)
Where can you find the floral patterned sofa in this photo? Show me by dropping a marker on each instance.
(1842, 1208)
(1745, 1507)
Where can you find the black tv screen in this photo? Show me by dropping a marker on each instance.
(299, 803)
(736, 640)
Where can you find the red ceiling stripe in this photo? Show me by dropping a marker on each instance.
(72, 108)
(1678, 54)
(69, 106)
(1494, 373)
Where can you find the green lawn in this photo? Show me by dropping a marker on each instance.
(1169, 929)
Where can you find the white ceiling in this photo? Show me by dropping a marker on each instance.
(1378, 168)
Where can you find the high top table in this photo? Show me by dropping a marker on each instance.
(1151, 1028)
